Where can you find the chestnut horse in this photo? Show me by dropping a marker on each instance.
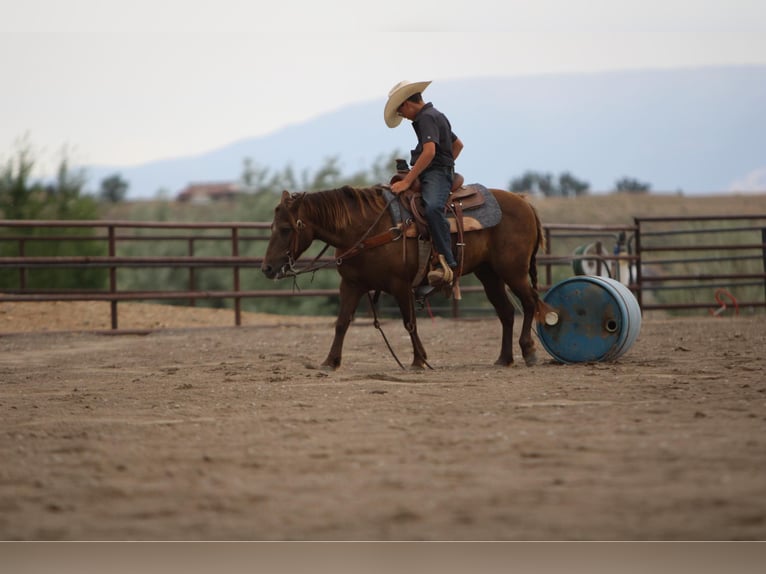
(501, 255)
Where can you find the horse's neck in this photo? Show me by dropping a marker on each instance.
(327, 234)
(350, 223)
(341, 238)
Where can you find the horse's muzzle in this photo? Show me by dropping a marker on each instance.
(272, 273)
(268, 271)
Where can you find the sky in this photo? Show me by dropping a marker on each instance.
(123, 83)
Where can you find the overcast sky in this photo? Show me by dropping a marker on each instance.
(125, 82)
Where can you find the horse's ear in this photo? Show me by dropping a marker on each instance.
(285, 196)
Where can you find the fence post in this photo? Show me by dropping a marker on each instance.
(599, 262)
(22, 270)
(235, 253)
(763, 250)
(190, 251)
(113, 276)
(639, 290)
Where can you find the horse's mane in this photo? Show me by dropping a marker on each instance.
(343, 207)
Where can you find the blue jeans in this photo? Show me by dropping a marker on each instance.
(436, 183)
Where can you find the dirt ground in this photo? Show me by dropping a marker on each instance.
(223, 433)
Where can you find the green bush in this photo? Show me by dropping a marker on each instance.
(23, 198)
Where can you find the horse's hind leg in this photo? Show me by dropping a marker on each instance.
(494, 287)
(349, 300)
(528, 297)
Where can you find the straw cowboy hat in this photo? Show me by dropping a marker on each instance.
(396, 97)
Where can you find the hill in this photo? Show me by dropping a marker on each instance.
(694, 130)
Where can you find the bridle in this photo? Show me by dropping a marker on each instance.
(289, 269)
(364, 242)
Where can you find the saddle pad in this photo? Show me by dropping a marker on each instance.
(486, 215)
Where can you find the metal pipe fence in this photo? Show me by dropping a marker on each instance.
(662, 260)
(728, 257)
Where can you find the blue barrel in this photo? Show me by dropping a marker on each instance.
(596, 319)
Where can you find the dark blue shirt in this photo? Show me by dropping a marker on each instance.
(431, 125)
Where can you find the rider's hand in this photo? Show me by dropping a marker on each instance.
(399, 186)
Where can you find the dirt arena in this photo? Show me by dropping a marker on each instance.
(222, 433)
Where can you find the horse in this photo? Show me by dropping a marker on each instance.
(348, 218)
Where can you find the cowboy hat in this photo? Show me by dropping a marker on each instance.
(396, 97)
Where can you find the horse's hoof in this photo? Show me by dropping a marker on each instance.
(329, 366)
(503, 362)
(417, 367)
(531, 360)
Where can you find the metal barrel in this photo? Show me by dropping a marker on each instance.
(597, 319)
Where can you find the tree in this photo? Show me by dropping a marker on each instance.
(566, 185)
(23, 198)
(631, 185)
(531, 182)
(381, 171)
(328, 176)
(59, 199)
(15, 185)
(260, 179)
(113, 189)
(570, 186)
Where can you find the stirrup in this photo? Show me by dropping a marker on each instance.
(442, 276)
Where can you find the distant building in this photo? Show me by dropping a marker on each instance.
(210, 191)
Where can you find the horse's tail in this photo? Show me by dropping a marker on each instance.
(539, 244)
(541, 307)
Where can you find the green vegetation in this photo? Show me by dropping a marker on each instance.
(22, 197)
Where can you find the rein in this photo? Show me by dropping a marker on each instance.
(376, 324)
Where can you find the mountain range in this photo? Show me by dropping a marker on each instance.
(694, 131)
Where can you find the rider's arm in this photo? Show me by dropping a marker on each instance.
(429, 152)
(457, 147)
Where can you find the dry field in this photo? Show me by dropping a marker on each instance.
(622, 208)
(196, 430)
(203, 431)
(595, 208)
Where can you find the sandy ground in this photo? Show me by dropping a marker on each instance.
(224, 433)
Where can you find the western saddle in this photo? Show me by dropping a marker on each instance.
(461, 198)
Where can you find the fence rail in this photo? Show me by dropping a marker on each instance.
(736, 260)
(657, 258)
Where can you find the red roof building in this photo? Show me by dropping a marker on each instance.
(209, 192)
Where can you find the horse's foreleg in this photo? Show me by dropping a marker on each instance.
(494, 287)
(406, 301)
(349, 300)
